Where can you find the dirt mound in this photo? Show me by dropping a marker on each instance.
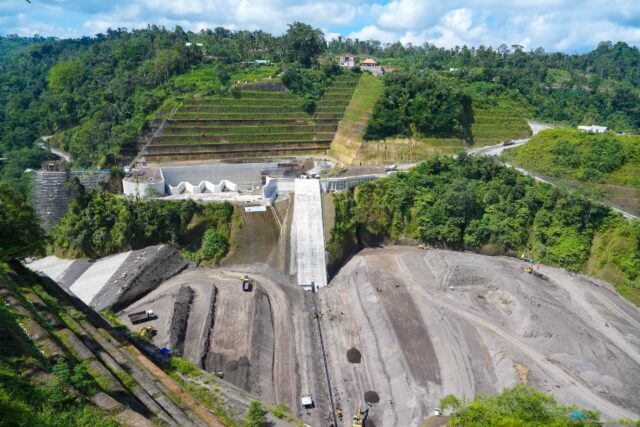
(141, 273)
(180, 319)
(371, 397)
(354, 355)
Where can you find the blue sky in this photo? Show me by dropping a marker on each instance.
(564, 25)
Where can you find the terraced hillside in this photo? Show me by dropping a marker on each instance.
(498, 115)
(58, 342)
(257, 123)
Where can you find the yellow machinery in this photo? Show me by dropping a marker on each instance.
(358, 421)
(530, 267)
(147, 332)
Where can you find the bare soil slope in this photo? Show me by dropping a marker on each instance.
(429, 323)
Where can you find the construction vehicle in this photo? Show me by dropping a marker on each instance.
(142, 316)
(147, 332)
(247, 283)
(358, 421)
(531, 269)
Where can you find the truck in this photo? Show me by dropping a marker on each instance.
(247, 283)
(390, 168)
(142, 316)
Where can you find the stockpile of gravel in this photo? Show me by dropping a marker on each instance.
(143, 271)
(180, 320)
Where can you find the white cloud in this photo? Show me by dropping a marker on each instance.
(372, 32)
(554, 24)
(408, 14)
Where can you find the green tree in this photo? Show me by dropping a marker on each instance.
(303, 44)
(519, 405)
(255, 415)
(214, 245)
(20, 231)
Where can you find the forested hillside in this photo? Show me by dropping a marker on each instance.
(96, 94)
(597, 87)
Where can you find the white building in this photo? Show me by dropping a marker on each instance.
(594, 129)
(347, 61)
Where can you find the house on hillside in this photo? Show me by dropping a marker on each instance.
(372, 66)
(594, 129)
(348, 61)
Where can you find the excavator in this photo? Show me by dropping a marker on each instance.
(531, 269)
(358, 421)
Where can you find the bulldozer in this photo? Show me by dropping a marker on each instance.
(358, 420)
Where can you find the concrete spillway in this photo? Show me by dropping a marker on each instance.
(308, 235)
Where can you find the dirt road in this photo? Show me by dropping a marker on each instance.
(431, 323)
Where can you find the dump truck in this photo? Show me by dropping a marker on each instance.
(142, 316)
(247, 283)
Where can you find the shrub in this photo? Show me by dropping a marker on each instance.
(214, 245)
(255, 416)
(281, 411)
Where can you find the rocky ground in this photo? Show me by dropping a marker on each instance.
(418, 325)
(401, 328)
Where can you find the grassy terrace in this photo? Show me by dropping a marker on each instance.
(264, 120)
(498, 118)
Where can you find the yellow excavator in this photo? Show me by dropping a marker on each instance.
(358, 421)
(532, 269)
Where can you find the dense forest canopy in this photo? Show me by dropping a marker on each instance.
(95, 94)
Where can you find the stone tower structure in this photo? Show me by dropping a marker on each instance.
(50, 192)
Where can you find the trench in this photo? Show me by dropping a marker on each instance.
(326, 365)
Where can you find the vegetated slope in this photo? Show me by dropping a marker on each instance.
(606, 167)
(477, 203)
(99, 224)
(497, 115)
(350, 148)
(63, 364)
(404, 327)
(251, 123)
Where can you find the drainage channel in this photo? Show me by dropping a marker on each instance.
(326, 365)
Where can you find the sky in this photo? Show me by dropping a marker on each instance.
(555, 25)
